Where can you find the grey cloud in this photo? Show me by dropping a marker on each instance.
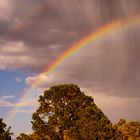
(56, 24)
(30, 102)
(6, 97)
(117, 107)
(16, 55)
(6, 10)
(108, 65)
(67, 16)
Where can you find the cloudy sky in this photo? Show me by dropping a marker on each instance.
(34, 33)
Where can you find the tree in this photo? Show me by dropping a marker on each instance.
(128, 130)
(4, 133)
(34, 136)
(23, 137)
(65, 112)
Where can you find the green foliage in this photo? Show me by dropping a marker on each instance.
(66, 112)
(23, 137)
(4, 133)
(128, 130)
(34, 136)
(93, 124)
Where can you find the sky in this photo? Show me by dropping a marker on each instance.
(34, 33)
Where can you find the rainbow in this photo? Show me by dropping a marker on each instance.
(94, 36)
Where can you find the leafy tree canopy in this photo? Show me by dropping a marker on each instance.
(65, 112)
(128, 130)
(4, 133)
(23, 137)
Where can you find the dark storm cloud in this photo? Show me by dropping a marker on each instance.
(113, 64)
(56, 24)
(109, 65)
(68, 16)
